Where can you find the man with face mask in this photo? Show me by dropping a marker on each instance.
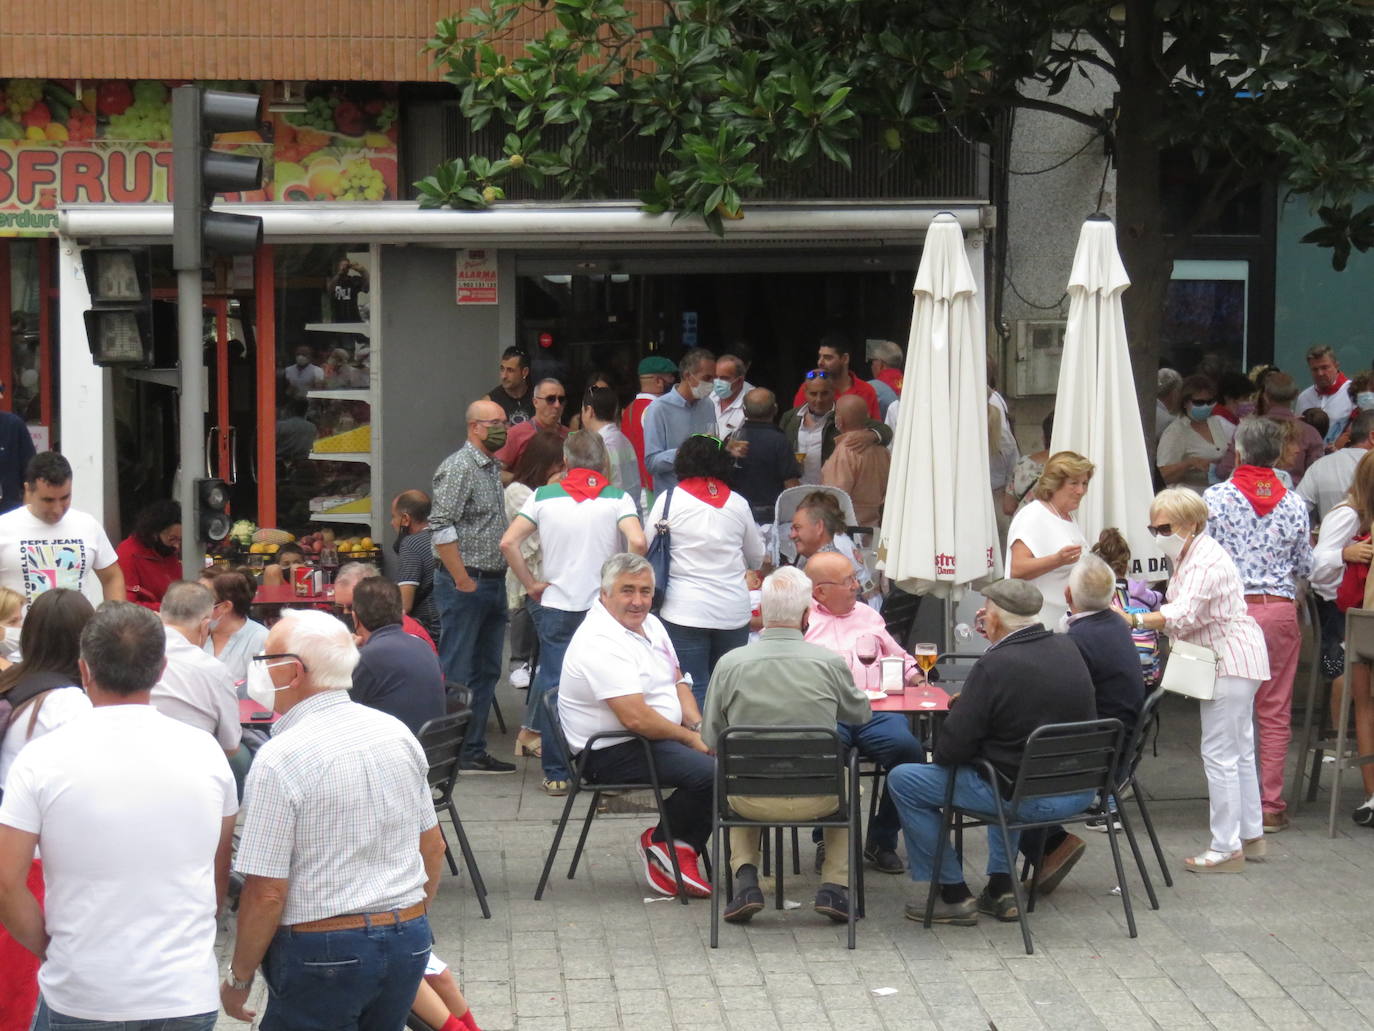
(196, 688)
(727, 394)
(415, 555)
(466, 522)
(304, 375)
(1028, 678)
(678, 414)
(811, 426)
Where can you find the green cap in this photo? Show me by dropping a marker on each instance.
(656, 365)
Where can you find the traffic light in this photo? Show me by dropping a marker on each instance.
(119, 324)
(212, 510)
(198, 173)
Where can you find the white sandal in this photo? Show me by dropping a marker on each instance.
(1213, 861)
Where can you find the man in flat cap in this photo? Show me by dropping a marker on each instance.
(1028, 678)
(656, 376)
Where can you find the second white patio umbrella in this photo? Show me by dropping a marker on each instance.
(1096, 413)
(939, 533)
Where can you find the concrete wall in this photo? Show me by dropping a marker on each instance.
(437, 358)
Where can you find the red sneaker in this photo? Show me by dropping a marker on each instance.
(659, 880)
(697, 885)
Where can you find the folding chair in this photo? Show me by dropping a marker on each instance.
(1059, 759)
(784, 762)
(455, 690)
(580, 783)
(1132, 755)
(1317, 733)
(442, 740)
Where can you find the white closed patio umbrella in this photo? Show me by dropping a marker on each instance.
(939, 533)
(1096, 412)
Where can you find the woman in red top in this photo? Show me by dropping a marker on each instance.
(150, 557)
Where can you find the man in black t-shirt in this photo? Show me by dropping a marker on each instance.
(347, 282)
(415, 554)
(770, 463)
(513, 393)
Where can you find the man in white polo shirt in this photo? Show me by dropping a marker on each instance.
(1328, 479)
(135, 816)
(581, 521)
(620, 673)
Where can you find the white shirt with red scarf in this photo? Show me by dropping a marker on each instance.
(1336, 402)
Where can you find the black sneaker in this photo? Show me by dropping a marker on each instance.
(1364, 815)
(884, 860)
(1099, 823)
(486, 763)
(741, 908)
(833, 901)
(1003, 907)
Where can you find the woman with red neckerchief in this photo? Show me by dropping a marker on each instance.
(715, 541)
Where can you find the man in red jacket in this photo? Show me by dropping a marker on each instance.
(833, 357)
(656, 376)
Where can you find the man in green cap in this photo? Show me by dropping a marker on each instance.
(656, 376)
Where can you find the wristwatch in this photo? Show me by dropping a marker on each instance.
(237, 985)
(695, 728)
(1136, 621)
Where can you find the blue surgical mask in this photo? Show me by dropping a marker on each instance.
(721, 387)
(1364, 400)
(1200, 412)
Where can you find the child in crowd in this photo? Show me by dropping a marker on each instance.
(1132, 596)
(439, 1003)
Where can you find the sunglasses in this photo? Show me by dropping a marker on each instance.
(1202, 401)
(553, 399)
(1162, 530)
(276, 658)
(818, 374)
(712, 438)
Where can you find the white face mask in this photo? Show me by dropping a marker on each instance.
(11, 645)
(259, 686)
(702, 390)
(1172, 545)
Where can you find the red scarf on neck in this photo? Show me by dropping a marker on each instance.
(583, 484)
(1260, 486)
(708, 489)
(1341, 381)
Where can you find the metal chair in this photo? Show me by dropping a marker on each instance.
(454, 690)
(784, 762)
(442, 740)
(1317, 733)
(1132, 755)
(899, 614)
(1059, 759)
(580, 783)
(1359, 647)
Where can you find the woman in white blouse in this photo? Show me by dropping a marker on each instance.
(1205, 605)
(715, 541)
(1344, 537)
(1195, 440)
(1044, 541)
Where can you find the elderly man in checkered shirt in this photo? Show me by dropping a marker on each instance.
(340, 850)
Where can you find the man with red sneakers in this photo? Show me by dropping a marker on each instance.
(620, 673)
(833, 357)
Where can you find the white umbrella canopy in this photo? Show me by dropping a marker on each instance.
(1095, 412)
(939, 532)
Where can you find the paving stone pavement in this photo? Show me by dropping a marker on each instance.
(1286, 944)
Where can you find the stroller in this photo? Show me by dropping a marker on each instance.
(853, 544)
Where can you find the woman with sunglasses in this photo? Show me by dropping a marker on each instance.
(715, 541)
(1196, 440)
(1205, 605)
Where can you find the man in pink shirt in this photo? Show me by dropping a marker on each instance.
(836, 621)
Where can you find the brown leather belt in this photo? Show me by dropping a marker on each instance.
(1268, 599)
(355, 921)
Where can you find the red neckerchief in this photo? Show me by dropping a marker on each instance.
(893, 378)
(708, 489)
(1340, 382)
(1226, 414)
(583, 484)
(1260, 487)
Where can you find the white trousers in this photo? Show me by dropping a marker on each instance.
(1228, 759)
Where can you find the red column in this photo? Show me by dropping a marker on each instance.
(6, 336)
(47, 295)
(264, 289)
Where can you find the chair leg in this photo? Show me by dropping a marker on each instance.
(474, 874)
(767, 853)
(1295, 794)
(716, 833)
(1139, 859)
(1150, 830)
(780, 866)
(668, 840)
(796, 853)
(582, 838)
(448, 853)
(1023, 915)
(496, 711)
(1314, 774)
(557, 839)
(856, 902)
(1035, 874)
(1120, 872)
(941, 843)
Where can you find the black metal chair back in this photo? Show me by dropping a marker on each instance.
(1132, 754)
(785, 762)
(442, 741)
(899, 614)
(1059, 759)
(548, 708)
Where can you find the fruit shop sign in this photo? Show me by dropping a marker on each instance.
(36, 178)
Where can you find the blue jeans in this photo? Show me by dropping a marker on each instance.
(45, 1019)
(886, 739)
(919, 792)
(474, 633)
(556, 628)
(364, 979)
(699, 649)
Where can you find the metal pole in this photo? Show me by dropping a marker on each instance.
(191, 415)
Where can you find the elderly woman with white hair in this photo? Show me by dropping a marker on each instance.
(1205, 605)
(1264, 528)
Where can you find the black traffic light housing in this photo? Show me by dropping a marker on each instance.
(212, 509)
(119, 324)
(198, 173)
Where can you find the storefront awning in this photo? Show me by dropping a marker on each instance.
(561, 226)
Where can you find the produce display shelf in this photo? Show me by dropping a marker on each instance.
(360, 518)
(341, 456)
(354, 394)
(359, 328)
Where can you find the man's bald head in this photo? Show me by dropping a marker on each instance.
(484, 409)
(833, 583)
(760, 403)
(851, 412)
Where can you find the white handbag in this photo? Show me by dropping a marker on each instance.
(1191, 671)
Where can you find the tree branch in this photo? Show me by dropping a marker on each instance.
(1050, 107)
